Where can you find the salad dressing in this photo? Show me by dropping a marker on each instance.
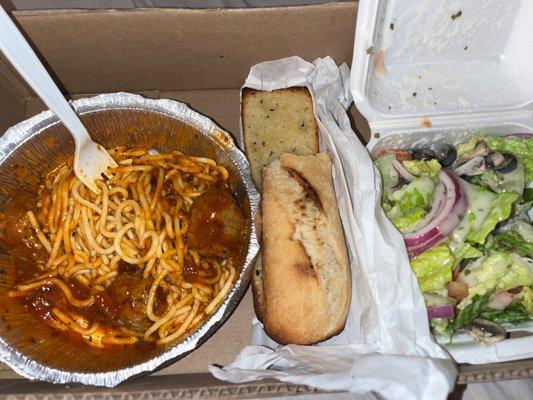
(473, 259)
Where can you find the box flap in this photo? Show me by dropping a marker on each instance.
(444, 60)
(181, 49)
(12, 96)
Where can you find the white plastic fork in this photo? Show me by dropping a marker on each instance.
(91, 160)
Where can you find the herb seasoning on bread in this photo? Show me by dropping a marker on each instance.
(277, 122)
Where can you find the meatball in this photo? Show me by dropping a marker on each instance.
(217, 224)
(129, 290)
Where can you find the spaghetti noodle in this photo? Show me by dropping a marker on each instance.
(147, 258)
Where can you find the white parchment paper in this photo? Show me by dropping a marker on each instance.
(386, 346)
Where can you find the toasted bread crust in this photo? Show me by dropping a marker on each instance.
(306, 275)
(257, 289)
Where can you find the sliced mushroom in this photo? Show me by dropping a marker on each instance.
(506, 173)
(485, 331)
(480, 149)
(475, 166)
(496, 159)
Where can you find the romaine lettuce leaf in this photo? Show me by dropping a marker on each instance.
(419, 168)
(500, 270)
(527, 299)
(500, 211)
(403, 222)
(408, 205)
(512, 181)
(440, 326)
(523, 228)
(485, 210)
(513, 314)
(519, 273)
(433, 268)
(389, 175)
(464, 250)
(528, 194)
(436, 299)
(469, 313)
(416, 194)
(467, 147)
(512, 241)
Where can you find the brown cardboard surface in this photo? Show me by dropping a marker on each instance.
(178, 49)
(12, 98)
(200, 57)
(184, 386)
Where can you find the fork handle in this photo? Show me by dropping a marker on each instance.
(20, 54)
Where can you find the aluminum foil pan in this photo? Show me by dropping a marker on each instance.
(31, 149)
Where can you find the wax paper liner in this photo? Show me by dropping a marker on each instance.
(386, 346)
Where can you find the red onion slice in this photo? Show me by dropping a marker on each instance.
(521, 135)
(431, 242)
(402, 171)
(444, 222)
(441, 311)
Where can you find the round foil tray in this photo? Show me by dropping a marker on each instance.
(32, 148)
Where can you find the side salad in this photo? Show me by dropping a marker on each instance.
(465, 213)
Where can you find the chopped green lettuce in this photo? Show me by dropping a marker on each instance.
(523, 228)
(512, 181)
(485, 210)
(404, 222)
(436, 299)
(522, 148)
(440, 326)
(527, 299)
(501, 210)
(416, 194)
(512, 241)
(410, 204)
(462, 250)
(513, 314)
(467, 147)
(429, 168)
(501, 271)
(469, 313)
(433, 268)
(389, 175)
(519, 273)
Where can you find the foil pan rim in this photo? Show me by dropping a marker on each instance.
(19, 133)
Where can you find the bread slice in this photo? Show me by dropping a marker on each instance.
(277, 122)
(306, 273)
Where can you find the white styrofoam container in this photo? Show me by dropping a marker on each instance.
(432, 71)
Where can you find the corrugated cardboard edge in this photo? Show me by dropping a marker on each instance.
(203, 386)
(191, 386)
(495, 372)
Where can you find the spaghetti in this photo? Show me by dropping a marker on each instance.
(147, 258)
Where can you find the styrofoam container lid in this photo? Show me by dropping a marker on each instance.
(449, 62)
(429, 71)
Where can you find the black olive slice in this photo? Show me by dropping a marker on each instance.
(446, 154)
(509, 164)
